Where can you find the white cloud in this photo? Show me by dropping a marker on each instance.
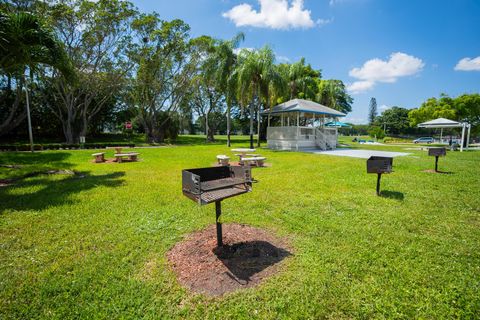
(322, 22)
(238, 50)
(468, 64)
(384, 107)
(283, 59)
(275, 14)
(355, 120)
(376, 70)
(360, 86)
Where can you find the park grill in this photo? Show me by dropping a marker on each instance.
(379, 165)
(213, 184)
(437, 152)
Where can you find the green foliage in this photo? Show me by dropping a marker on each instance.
(433, 108)
(394, 119)
(376, 132)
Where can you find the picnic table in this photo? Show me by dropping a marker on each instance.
(99, 157)
(243, 152)
(132, 156)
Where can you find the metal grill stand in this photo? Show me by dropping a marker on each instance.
(214, 184)
(379, 176)
(218, 211)
(379, 165)
(437, 152)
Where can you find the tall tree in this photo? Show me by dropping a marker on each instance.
(206, 96)
(25, 44)
(394, 119)
(372, 111)
(333, 94)
(227, 61)
(254, 69)
(165, 63)
(97, 36)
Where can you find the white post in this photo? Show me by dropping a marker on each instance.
(468, 134)
(288, 121)
(441, 134)
(282, 119)
(313, 123)
(463, 137)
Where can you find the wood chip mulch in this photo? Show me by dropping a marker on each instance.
(248, 256)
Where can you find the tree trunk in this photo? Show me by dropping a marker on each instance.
(258, 126)
(251, 125)
(15, 115)
(228, 126)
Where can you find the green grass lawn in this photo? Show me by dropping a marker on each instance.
(94, 247)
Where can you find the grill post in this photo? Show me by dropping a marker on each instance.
(436, 163)
(218, 211)
(379, 176)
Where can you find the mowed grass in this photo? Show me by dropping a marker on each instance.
(94, 247)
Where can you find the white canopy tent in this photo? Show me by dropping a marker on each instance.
(446, 123)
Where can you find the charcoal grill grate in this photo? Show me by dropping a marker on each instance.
(213, 184)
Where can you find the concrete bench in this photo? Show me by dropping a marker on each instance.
(258, 161)
(223, 159)
(99, 157)
(132, 156)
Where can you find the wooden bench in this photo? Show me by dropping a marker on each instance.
(99, 157)
(223, 160)
(132, 156)
(258, 161)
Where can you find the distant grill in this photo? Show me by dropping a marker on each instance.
(213, 184)
(437, 152)
(379, 165)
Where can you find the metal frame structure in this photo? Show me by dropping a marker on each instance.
(447, 123)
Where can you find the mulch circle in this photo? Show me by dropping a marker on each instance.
(248, 256)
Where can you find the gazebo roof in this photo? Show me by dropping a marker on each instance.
(440, 123)
(300, 105)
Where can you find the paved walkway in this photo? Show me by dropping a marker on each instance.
(357, 153)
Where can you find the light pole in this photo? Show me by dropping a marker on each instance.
(29, 120)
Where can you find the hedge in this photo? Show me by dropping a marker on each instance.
(63, 146)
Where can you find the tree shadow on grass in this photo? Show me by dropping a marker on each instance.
(33, 158)
(52, 192)
(245, 259)
(392, 195)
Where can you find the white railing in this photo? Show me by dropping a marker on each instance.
(322, 138)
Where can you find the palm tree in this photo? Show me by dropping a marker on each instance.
(300, 80)
(24, 44)
(255, 69)
(227, 60)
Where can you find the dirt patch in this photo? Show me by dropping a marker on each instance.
(437, 172)
(248, 256)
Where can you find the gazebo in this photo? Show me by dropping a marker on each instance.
(301, 124)
(447, 123)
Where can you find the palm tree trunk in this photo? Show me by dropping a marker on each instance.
(258, 126)
(228, 125)
(251, 125)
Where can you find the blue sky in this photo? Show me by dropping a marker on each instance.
(400, 52)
